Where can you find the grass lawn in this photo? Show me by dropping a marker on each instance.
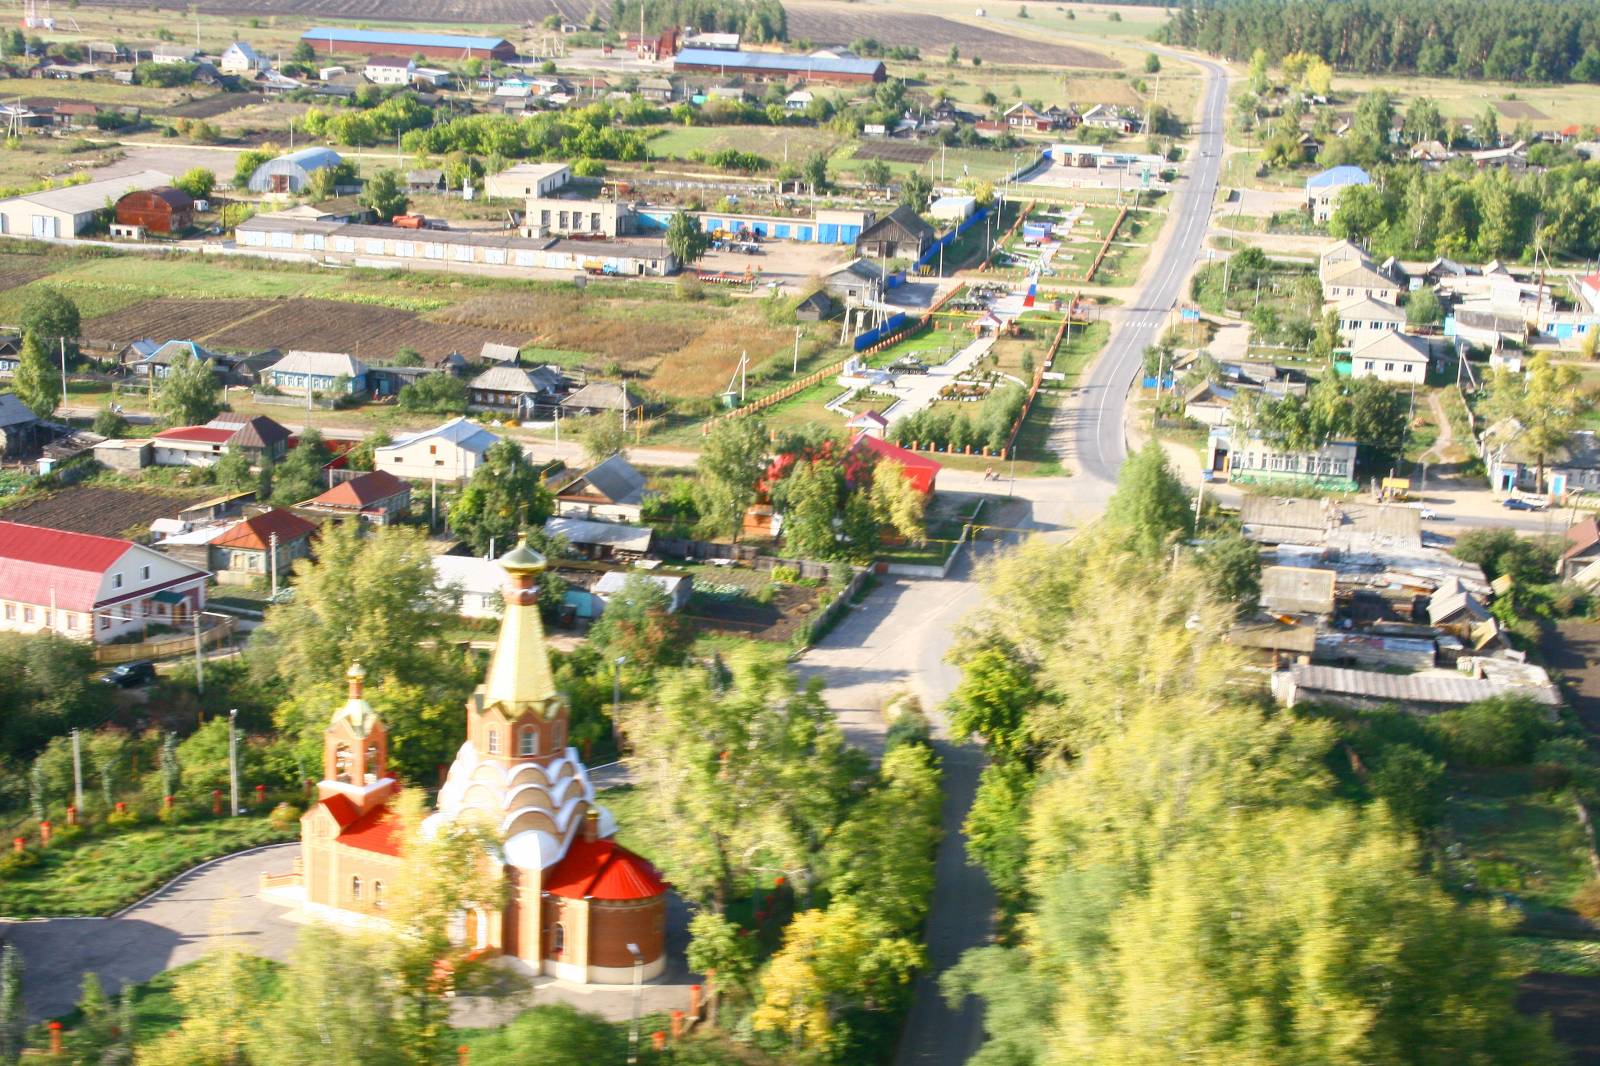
(772, 142)
(156, 1011)
(1078, 351)
(1514, 839)
(100, 875)
(102, 92)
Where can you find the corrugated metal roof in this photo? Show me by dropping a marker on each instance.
(708, 57)
(1344, 175)
(363, 491)
(92, 195)
(614, 534)
(1438, 687)
(457, 431)
(395, 37)
(256, 533)
(42, 566)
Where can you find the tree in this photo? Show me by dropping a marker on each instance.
(1422, 309)
(875, 172)
(718, 944)
(1232, 566)
(190, 394)
(217, 999)
(915, 189)
(1487, 131)
(687, 241)
(815, 170)
(197, 182)
(1152, 63)
(880, 858)
(408, 357)
(362, 457)
(234, 473)
(565, 1036)
(953, 56)
(170, 765)
(505, 496)
(809, 502)
(738, 770)
(898, 504)
(109, 423)
(1150, 503)
(304, 52)
(337, 997)
(439, 394)
(603, 436)
(13, 1016)
(1546, 401)
(640, 625)
(830, 959)
(732, 462)
(993, 699)
(996, 824)
(300, 475)
(385, 194)
(247, 162)
(37, 382)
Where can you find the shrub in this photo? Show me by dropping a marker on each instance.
(1504, 731)
(785, 575)
(67, 834)
(1586, 901)
(284, 816)
(1411, 782)
(14, 861)
(122, 819)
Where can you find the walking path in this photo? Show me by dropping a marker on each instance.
(918, 391)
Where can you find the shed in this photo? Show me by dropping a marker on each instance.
(159, 210)
(814, 308)
(292, 173)
(19, 426)
(678, 587)
(428, 179)
(598, 397)
(601, 540)
(901, 234)
(1297, 590)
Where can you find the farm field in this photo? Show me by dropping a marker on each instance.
(676, 142)
(100, 510)
(372, 333)
(933, 35)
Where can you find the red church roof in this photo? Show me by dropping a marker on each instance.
(919, 468)
(603, 870)
(45, 566)
(378, 830)
(344, 812)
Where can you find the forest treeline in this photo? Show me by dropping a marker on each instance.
(1501, 40)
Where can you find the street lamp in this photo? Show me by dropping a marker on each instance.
(233, 761)
(638, 1001)
(616, 701)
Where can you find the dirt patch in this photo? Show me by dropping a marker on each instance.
(104, 512)
(510, 12)
(934, 35)
(1573, 1004)
(892, 152)
(1572, 648)
(792, 606)
(164, 320)
(1518, 109)
(212, 106)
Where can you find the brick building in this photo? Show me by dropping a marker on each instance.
(575, 899)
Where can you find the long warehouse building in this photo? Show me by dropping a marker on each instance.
(776, 66)
(336, 40)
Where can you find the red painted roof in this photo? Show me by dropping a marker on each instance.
(199, 434)
(919, 468)
(256, 533)
(363, 491)
(39, 565)
(344, 812)
(603, 870)
(1591, 281)
(378, 830)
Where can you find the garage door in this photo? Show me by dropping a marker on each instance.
(828, 233)
(781, 232)
(46, 226)
(805, 233)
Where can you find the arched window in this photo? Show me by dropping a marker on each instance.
(494, 742)
(341, 763)
(371, 768)
(377, 894)
(558, 939)
(355, 888)
(528, 741)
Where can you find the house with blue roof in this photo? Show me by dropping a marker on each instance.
(340, 40)
(149, 361)
(1323, 190)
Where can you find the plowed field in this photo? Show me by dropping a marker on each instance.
(933, 35)
(511, 12)
(367, 332)
(104, 512)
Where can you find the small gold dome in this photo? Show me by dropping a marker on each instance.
(522, 559)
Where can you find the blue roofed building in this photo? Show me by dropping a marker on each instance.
(291, 173)
(339, 40)
(1323, 190)
(776, 65)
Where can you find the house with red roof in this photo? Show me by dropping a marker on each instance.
(91, 588)
(260, 438)
(576, 904)
(922, 470)
(244, 552)
(377, 496)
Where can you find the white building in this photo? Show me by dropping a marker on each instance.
(390, 70)
(527, 181)
(1390, 357)
(477, 581)
(1364, 318)
(61, 214)
(451, 453)
(240, 58)
(91, 588)
(1324, 190)
(953, 208)
(1259, 461)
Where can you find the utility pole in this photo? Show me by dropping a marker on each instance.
(272, 546)
(199, 659)
(63, 371)
(795, 367)
(77, 772)
(233, 760)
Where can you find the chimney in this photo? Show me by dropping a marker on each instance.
(591, 825)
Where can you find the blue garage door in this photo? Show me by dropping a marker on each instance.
(848, 234)
(711, 224)
(805, 233)
(828, 233)
(760, 228)
(781, 232)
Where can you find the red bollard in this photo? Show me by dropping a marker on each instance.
(55, 1038)
(261, 794)
(166, 801)
(677, 1026)
(44, 832)
(658, 1040)
(17, 844)
(72, 815)
(462, 1052)
(778, 882)
(694, 1000)
(121, 807)
(216, 801)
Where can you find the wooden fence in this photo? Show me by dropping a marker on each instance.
(1105, 245)
(988, 253)
(165, 647)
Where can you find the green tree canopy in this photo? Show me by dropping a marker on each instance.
(686, 239)
(732, 462)
(385, 194)
(190, 394)
(506, 495)
(438, 394)
(1150, 503)
(37, 381)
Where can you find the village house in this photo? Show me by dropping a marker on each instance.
(1323, 190)
(450, 453)
(1022, 117)
(1111, 117)
(149, 361)
(378, 497)
(857, 282)
(389, 70)
(1513, 467)
(601, 540)
(901, 234)
(1582, 548)
(1363, 319)
(318, 371)
(240, 58)
(1258, 461)
(613, 491)
(91, 588)
(518, 390)
(1347, 281)
(600, 397)
(1390, 356)
(244, 553)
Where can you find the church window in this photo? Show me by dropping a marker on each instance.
(558, 939)
(494, 742)
(372, 762)
(377, 894)
(355, 888)
(528, 741)
(341, 763)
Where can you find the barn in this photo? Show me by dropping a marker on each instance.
(331, 40)
(775, 66)
(159, 210)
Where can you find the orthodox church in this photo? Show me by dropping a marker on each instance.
(580, 906)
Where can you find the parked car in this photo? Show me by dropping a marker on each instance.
(131, 675)
(1517, 503)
